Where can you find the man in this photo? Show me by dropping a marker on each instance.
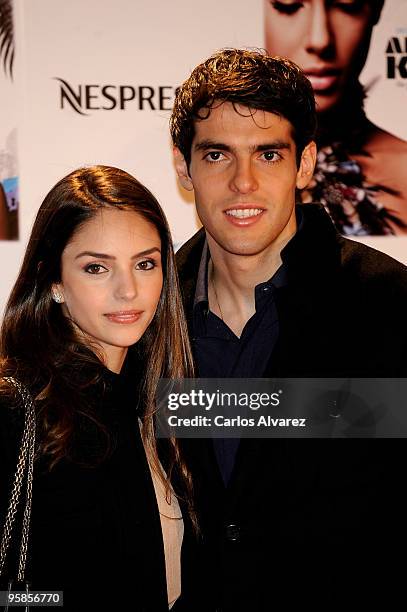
(271, 289)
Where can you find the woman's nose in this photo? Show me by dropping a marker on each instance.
(320, 35)
(126, 288)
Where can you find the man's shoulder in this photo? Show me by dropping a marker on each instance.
(371, 267)
(189, 255)
(320, 244)
(188, 258)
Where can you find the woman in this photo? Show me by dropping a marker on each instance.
(360, 174)
(93, 321)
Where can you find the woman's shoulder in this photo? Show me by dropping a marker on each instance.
(11, 410)
(380, 141)
(384, 162)
(11, 429)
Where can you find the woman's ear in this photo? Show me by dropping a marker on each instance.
(57, 294)
(307, 165)
(181, 168)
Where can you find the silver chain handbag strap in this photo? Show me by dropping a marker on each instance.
(25, 465)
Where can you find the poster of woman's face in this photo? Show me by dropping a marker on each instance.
(328, 40)
(359, 175)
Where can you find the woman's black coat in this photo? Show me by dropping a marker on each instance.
(96, 531)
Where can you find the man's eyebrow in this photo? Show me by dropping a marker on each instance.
(110, 257)
(275, 144)
(205, 145)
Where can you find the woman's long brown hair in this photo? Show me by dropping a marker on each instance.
(39, 345)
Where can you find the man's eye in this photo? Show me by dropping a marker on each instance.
(214, 156)
(147, 264)
(270, 156)
(287, 8)
(95, 269)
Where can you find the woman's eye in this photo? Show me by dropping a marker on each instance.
(287, 8)
(214, 156)
(95, 269)
(147, 264)
(352, 6)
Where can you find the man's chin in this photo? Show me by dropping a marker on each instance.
(243, 249)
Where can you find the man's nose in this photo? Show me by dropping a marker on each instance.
(244, 179)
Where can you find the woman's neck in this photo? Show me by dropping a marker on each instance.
(346, 122)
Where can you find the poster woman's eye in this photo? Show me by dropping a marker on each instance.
(286, 8)
(353, 7)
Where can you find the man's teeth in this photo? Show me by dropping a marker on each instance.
(242, 213)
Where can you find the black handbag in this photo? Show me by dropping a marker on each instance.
(23, 476)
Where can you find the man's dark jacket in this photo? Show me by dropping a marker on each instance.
(312, 521)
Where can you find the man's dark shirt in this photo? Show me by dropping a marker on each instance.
(219, 353)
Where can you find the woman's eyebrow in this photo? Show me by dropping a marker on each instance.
(106, 256)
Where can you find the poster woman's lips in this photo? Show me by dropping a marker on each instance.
(322, 78)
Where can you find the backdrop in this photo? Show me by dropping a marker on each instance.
(94, 81)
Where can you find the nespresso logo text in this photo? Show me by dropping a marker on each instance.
(86, 98)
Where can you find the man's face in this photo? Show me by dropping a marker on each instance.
(244, 174)
(328, 39)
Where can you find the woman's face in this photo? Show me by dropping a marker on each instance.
(328, 39)
(112, 280)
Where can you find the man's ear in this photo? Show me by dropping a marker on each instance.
(307, 165)
(181, 169)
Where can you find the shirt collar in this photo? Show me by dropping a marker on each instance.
(201, 291)
(279, 278)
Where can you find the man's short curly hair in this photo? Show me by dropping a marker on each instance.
(249, 78)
